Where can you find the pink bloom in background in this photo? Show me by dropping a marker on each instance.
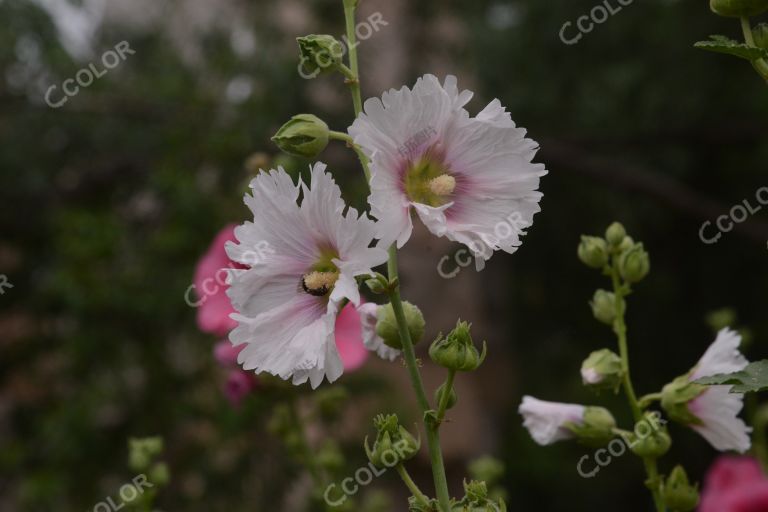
(349, 338)
(735, 484)
(226, 354)
(214, 306)
(238, 385)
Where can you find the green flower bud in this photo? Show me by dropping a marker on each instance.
(593, 251)
(738, 8)
(457, 351)
(141, 451)
(634, 264)
(159, 474)
(596, 428)
(476, 499)
(676, 396)
(488, 469)
(393, 445)
(760, 33)
(615, 234)
(415, 505)
(376, 286)
(305, 135)
(386, 324)
(604, 306)
(602, 370)
(626, 244)
(452, 398)
(319, 53)
(330, 457)
(679, 495)
(650, 438)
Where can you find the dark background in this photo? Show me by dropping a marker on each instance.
(108, 202)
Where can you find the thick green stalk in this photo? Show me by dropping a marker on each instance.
(760, 65)
(443, 405)
(620, 328)
(433, 437)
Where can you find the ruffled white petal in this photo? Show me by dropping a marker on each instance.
(371, 340)
(286, 331)
(546, 420)
(718, 410)
(722, 356)
(490, 158)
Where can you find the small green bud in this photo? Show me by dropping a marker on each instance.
(679, 495)
(457, 351)
(626, 244)
(634, 264)
(393, 445)
(488, 469)
(596, 428)
(452, 398)
(760, 33)
(376, 286)
(476, 499)
(415, 505)
(604, 306)
(141, 451)
(319, 53)
(676, 396)
(593, 251)
(650, 437)
(330, 457)
(615, 234)
(386, 324)
(159, 474)
(738, 8)
(305, 135)
(602, 370)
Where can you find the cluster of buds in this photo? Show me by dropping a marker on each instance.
(393, 445)
(618, 249)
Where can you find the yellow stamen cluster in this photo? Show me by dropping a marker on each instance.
(443, 185)
(319, 283)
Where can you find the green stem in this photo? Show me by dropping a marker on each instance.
(443, 405)
(423, 499)
(759, 442)
(760, 65)
(433, 437)
(344, 137)
(647, 400)
(620, 328)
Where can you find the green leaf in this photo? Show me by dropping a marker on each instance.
(722, 44)
(751, 379)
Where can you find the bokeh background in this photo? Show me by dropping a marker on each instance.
(109, 201)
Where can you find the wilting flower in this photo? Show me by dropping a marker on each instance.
(288, 298)
(368, 318)
(735, 484)
(210, 286)
(712, 410)
(549, 422)
(470, 179)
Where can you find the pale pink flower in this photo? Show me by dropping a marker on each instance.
(547, 421)
(470, 179)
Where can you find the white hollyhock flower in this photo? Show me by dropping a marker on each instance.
(301, 263)
(717, 407)
(546, 421)
(469, 179)
(371, 340)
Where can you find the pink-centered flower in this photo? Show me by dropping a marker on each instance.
(716, 407)
(307, 258)
(735, 484)
(547, 421)
(213, 305)
(470, 179)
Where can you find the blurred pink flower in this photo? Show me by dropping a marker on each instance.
(226, 353)
(213, 304)
(735, 484)
(238, 385)
(349, 338)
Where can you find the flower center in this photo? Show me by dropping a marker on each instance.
(319, 283)
(428, 181)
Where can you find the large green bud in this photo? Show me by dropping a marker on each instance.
(596, 428)
(386, 324)
(593, 251)
(676, 396)
(738, 8)
(650, 437)
(319, 53)
(457, 351)
(393, 445)
(679, 495)
(305, 135)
